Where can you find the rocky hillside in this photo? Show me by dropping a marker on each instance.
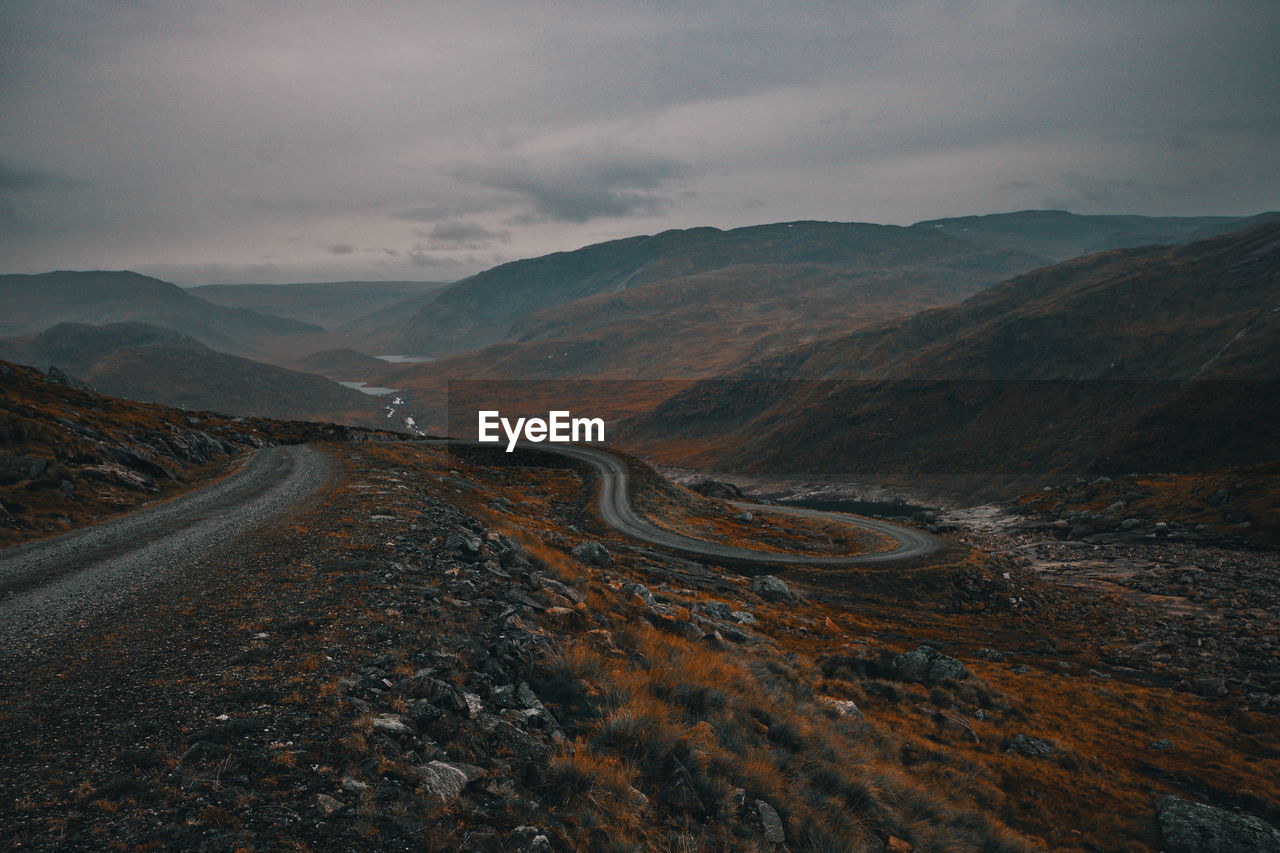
(69, 455)
(141, 361)
(1152, 359)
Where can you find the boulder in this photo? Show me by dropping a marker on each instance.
(771, 823)
(1032, 747)
(927, 665)
(444, 782)
(1188, 827)
(772, 588)
(592, 553)
(717, 489)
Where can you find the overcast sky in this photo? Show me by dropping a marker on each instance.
(288, 141)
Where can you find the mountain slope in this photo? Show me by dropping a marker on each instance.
(69, 456)
(1059, 235)
(140, 361)
(328, 304)
(1161, 358)
(491, 306)
(31, 303)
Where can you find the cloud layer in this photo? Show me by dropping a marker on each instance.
(291, 140)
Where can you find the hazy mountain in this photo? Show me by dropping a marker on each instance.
(1060, 235)
(1160, 358)
(496, 304)
(141, 361)
(328, 304)
(342, 364)
(31, 303)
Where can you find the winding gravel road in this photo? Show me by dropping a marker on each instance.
(45, 584)
(616, 511)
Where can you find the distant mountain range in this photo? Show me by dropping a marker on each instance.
(1158, 358)
(142, 361)
(331, 304)
(765, 263)
(33, 303)
(977, 344)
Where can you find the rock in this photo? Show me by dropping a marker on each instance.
(353, 786)
(1162, 744)
(528, 839)
(444, 782)
(1033, 747)
(391, 724)
(843, 707)
(1188, 827)
(14, 469)
(592, 553)
(465, 543)
(745, 517)
(562, 590)
(896, 845)
(715, 609)
(771, 588)
(717, 489)
(926, 665)
(742, 617)
(329, 806)
(772, 824)
(987, 653)
(640, 590)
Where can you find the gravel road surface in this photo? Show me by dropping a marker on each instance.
(46, 585)
(616, 511)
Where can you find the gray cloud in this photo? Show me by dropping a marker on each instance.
(464, 235)
(186, 136)
(340, 249)
(15, 179)
(579, 186)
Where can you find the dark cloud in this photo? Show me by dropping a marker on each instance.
(16, 179)
(340, 249)
(421, 256)
(464, 235)
(580, 186)
(172, 135)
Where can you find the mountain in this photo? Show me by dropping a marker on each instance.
(343, 364)
(1060, 235)
(328, 304)
(31, 303)
(141, 361)
(1159, 358)
(493, 305)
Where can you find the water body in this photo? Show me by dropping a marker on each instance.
(371, 390)
(406, 359)
(884, 509)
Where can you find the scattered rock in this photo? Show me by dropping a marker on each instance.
(1188, 827)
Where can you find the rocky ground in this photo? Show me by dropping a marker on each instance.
(1213, 599)
(440, 656)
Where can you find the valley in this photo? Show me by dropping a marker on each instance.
(264, 593)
